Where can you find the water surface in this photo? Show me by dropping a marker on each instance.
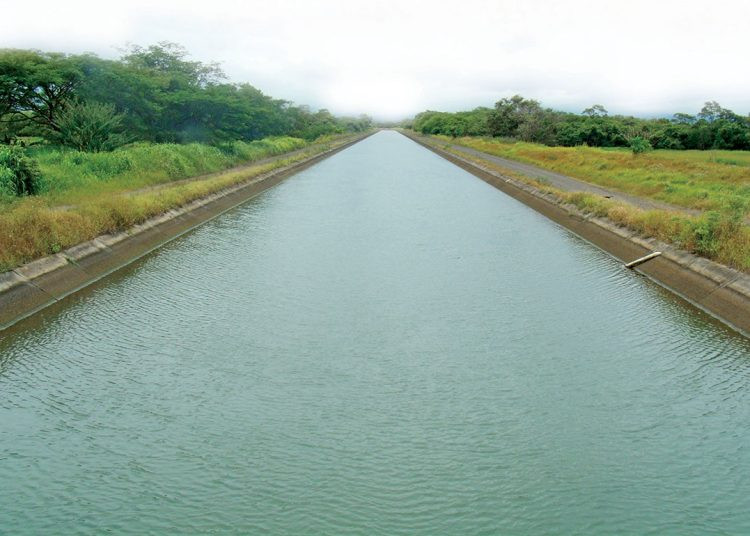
(382, 344)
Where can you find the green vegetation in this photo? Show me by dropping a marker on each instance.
(619, 153)
(719, 234)
(89, 145)
(68, 175)
(19, 174)
(150, 94)
(155, 95)
(523, 119)
(702, 180)
(139, 182)
(640, 145)
(89, 126)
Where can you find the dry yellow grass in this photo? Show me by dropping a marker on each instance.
(31, 228)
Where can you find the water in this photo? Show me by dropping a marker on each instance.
(382, 344)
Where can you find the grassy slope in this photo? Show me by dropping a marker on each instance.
(704, 180)
(718, 235)
(70, 176)
(86, 195)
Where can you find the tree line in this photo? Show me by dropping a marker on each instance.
(524, 119)
(153, 93)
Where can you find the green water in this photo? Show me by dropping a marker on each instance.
(382, 344)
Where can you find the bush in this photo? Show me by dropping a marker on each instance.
(89, 127)
(19, 174)
(705, 234)
(717, 227)
(639, 145)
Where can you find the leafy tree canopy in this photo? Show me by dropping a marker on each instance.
(154, 93)
(524, 119)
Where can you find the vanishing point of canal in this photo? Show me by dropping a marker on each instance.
(382, 344)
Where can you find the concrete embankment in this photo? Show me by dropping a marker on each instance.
(715, 288)
(38, 284)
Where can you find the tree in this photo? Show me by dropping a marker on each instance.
(136, 94)
(508, 114)
(732, 136)
(35, 86)
(170, 59)
(597, 110)
(712, 111)
(672, 136)
(683, 119)
(539, 126)
(715, 127)
(356, 124)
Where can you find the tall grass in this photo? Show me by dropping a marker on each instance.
(703, 180)
(719, 236)
(67, 174)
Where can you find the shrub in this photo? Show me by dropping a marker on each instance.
(89, 127)
(19, 174)
(715, 228)
(640, 145)
(705, 234)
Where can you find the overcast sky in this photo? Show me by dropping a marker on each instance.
(393, 58)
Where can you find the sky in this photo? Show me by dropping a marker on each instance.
(394, 58)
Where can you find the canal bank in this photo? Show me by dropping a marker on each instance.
(710, 286)
(40, 283)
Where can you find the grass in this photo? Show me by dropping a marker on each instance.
(703, 180)
(715, 235)
(720, 235)
(69, 176)
(86, 195)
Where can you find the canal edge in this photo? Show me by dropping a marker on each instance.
(719, 290)
(34, 286)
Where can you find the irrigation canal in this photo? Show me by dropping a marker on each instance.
(380, 344)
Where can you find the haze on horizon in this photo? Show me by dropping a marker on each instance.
(392, 59)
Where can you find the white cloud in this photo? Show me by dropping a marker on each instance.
(391, 58)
